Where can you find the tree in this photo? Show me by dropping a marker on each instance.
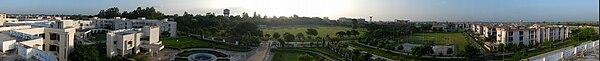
(246, 28)
(288, 37)
(340, 34)
(312, 32)
(354, 32)
(276, 35)
(471, 52)
(349, 33)
(399, 48)
(354, 23)
(422, 50)
(449, 51)
(109, 13)
(85, 53)
(500, 47)
(267, 35)
(300, 35)
(306, 57)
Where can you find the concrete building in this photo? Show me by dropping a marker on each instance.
(132, 41)
(520, 34)
(122, 23)
(532, 34)
(40, 43)
(123, 42)
(348, 21)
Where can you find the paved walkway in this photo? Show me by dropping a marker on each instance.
(261, 52)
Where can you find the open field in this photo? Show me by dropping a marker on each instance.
(323, 31)
(457, 39)
(190, 42)
(290, 54)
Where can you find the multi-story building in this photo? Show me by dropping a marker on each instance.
(131, 41)
(40, 43)
(122, 23)
(521, 34)
(122, 42)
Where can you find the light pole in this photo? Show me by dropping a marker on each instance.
(178, 46)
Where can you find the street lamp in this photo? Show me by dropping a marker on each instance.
(178, 46)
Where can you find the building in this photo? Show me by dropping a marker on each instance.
(226, 12)
(440, 27)
(348, 21)
(123, 42)
(520, 34)
(132, 41)
(169, 27)
(40, 43)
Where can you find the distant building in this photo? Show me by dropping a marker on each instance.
(123, 23)
(226, 12)
(440, 27)
(348, 21)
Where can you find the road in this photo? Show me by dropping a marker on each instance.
(481, 51)
(261, 52)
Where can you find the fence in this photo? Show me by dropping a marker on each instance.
(559, 54)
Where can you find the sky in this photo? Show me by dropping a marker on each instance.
(381, 10)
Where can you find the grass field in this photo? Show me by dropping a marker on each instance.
(323, 31)
(190, 42)
(458, 39)
(289, 55)
(325, 51)
(98, 37)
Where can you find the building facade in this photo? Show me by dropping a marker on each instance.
(520, 34)
(40, 43)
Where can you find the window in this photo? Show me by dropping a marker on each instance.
(520, 32)
(54, 36)
(510, 33)
(510, 39)
(521, 38)
(53, 48)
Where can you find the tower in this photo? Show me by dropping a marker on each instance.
(370, 18)
(226, 12)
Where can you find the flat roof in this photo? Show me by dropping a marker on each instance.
(4, 37)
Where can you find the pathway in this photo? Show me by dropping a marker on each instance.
(481, 51)
(261, 52)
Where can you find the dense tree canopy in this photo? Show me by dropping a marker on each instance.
(313, 32)
(148, 13)
(85, 53)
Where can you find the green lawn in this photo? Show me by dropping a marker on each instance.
(190, 42)
(386, 54)
(323, 31)
(98, 37)
(289, 54)
(325, 51)
(456, 38)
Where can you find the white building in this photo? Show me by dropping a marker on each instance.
(131, 41)
(123, 23)
(532, 34)
(40, 43)
(521, 34)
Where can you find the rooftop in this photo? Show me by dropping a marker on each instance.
(4, 37)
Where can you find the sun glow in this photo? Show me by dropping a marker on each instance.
(289, 7)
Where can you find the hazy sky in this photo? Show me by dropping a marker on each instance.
(415, 10)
